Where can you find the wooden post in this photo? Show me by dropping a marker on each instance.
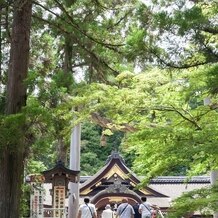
(214, 180)
(73, 204)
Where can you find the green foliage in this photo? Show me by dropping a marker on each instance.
(39, 133)
(213, 80)
(159, 105)
(173, 133)
(179, 34)
(11, 130)
(170, 130)
(195, 17)
(63, 80)
(2, 103)
(25, 201)
(84, 36)
(92, 150)
(203, 200)
(36, 167)
(135, 43)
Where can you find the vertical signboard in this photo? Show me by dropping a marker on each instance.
(36, 199)
(59, 201)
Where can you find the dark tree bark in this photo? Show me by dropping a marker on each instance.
(12, 156)
(19, 56)
(62, 147)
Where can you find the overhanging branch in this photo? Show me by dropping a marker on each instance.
(76, 26)
(173, 109)
(106, 123)
(91, 53)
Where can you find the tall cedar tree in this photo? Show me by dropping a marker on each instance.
(12, 155)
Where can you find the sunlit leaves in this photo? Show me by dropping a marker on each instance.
(173, 127)
(203, 200)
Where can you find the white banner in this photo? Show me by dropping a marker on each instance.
(36, 200)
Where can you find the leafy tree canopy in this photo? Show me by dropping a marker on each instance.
(164, 115)
(167, 124)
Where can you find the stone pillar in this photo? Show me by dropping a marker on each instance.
(73, 204)
(214, 180)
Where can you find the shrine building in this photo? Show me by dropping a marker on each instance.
(115, 181)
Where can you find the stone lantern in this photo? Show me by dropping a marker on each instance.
(59, 177)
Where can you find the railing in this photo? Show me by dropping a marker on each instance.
(55, 213)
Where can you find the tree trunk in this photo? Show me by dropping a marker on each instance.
(12, 155)
(62, 147)
(68, 55)
(62, 151)
(19, 56)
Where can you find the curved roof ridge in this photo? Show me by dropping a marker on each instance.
(115, 165)
(114, 155)
(90, 178)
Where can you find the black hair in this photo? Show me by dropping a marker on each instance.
(143, 199)
(86, 200)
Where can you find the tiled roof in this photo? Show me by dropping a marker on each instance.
(180, 179)
(174, 190)
(168, 179)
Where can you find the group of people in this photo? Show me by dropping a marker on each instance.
(124, 210)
